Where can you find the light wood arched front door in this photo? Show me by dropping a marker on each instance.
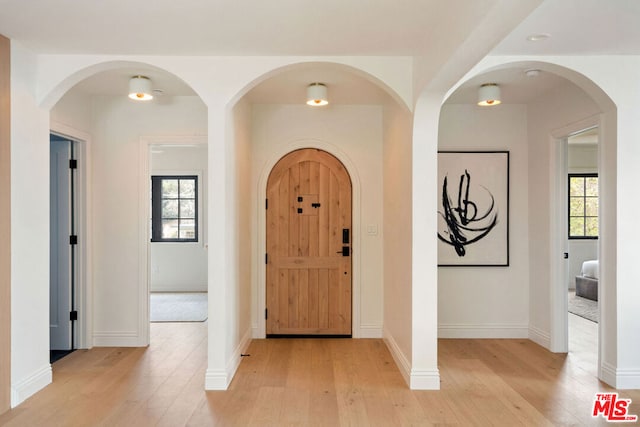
(309, 238)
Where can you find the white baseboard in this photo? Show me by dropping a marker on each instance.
(627, 379)
(178, 289)
(540, 337)
(398, 356)
(117, 339)
(608, 374)
(621, 379)
(425, 380)
(31, 385)
(216, 379)
(488, 330)
(370, 331)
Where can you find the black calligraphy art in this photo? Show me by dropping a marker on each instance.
(473, 208)
(465, 223)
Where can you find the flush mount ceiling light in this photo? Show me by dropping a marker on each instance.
(140, 88)
(489, 95)
(538, 37)
(317, 95)
(532, 73)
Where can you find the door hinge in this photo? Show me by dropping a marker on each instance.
(73, 164)
(266, 203)
(266, 313)
(73, 239)
(266, 258)
(73, 315)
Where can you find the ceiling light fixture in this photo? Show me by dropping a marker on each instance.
(532, 73)
(538, 37)
(140, 88)
(317, 95)
(489, 95)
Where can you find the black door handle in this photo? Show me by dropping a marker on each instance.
(345, 251)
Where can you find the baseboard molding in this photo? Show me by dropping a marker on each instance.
(215, 379)
(370, 331)
(176, 289)
(489, 330)
(540, 337)
(117, 339)
(398, 356)
(627, 379)
(425, 380)
(621, 379)
(31, 385)
(608, 374)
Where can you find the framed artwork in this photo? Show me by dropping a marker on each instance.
(473, 208)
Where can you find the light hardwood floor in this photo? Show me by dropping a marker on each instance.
(286, 382)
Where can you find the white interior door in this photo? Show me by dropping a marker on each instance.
(60, 248)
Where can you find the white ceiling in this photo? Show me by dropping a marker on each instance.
(307, 27)
(578, 27)
(237, 27)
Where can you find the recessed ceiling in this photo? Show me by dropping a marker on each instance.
(116, 82)
(343, 86)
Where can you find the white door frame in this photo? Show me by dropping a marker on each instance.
(146, 143)
(559, 334)
(84, 284)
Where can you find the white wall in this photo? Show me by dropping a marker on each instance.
(397, 173)
(181, 267)
(582, 158)
(119, 123)
(30, 368)
(489, 302)
(239, 297)
(353, 133)
(550, 112)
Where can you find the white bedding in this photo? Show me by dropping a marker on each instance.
(590, 269)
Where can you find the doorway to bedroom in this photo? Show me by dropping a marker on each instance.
(178, 273)
(582, 198)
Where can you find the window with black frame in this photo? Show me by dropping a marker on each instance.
(583, 206)
(174, 208)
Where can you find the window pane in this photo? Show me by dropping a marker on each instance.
(576, 186)
(576, 226)
(169, 228)
(188, 188)
(591, 186)
(591, 225)
(170, 188)
(576, 206)
(169, 209)
(591, 206)
(187, 229)
(187, 208)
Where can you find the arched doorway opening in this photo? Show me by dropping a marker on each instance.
(532, 131)
(119, 261)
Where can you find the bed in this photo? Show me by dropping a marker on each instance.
(587, 281)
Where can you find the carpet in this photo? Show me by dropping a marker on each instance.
(178, 307)
(583, 307)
